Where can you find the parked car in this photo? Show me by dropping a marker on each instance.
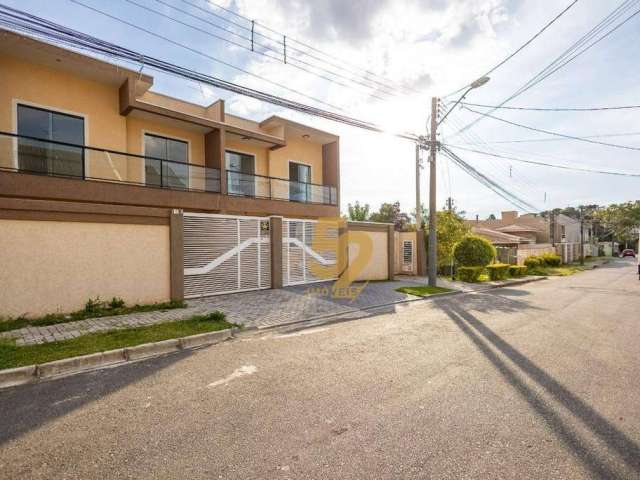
(628, 252)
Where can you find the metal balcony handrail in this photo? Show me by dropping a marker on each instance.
(99, 149)
(279, 178)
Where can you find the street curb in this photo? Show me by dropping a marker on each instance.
(95, 361)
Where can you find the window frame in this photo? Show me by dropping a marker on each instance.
(255, 166)
(16, 102)
(152, 133)
(308, 190)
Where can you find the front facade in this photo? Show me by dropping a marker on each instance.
(163, 197)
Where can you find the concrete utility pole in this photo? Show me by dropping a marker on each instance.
(432, 257)
(581, 235)
(418, 209)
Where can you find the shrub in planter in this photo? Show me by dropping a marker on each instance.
(551, 259)
(474, 251)
(517, 271)
(498, 271)
(470, 274)
(533, 262)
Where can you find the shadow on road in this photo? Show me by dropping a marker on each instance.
(29, 407)
(484, 339)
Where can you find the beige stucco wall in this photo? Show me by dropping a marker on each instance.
(400, 237)
(261, 154)
(30, 83)
(299, 151)
(377, 263)
(57, 266)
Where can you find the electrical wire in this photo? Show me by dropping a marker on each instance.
(543, 164)
(568, 55)
(350, 67)
(551, 109)
(548, 132)
(522, 47)
(554, 139)
(295, 63)
(42, 28)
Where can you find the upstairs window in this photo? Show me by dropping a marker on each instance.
(42, 156)
(299, 182)
(166, 162)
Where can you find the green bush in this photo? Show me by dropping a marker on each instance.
(517, 271)
(533, 262)
(498, 271)
(551, 259)
(470, 274)
(474, 251)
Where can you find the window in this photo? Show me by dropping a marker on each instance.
(241, 178)
(165, 162)
(41, 156)
(299, 182)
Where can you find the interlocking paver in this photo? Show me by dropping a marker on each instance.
(262, 308)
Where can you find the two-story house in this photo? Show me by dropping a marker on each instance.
(109, 188)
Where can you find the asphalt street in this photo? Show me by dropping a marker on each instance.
(536, 381)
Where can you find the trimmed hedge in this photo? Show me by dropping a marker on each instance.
(498, 271)
(470, 274)
(474, 251)
(517, 270)
(551, 259)
(533, 262)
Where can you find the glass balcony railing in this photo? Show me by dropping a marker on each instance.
(258, 186)
(58, 159)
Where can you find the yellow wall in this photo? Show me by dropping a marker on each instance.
(59, 90)
(376, 266)
(300, 151)
(57, 266)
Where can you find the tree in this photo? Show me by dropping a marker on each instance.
(424, 212)
(450, 229)
(474, 251)
(359, 213)
(391, 213)
(491, 217)
(621, 220)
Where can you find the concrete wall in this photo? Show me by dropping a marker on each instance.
(534, 249)
(50, 266)
(376, 262)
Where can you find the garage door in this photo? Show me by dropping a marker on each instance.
(309, 251)
(225, 254)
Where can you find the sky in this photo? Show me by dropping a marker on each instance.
(423, 48)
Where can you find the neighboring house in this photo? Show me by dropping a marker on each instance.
(570, 229)
(499, 238)
(532, 227)
(108, 188)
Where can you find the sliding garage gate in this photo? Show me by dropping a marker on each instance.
(225, 254)
(309, 251)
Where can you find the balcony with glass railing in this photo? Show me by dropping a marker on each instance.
(31, 155)
(272, 188)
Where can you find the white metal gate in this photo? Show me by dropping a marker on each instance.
(224, 254)
(307, 247)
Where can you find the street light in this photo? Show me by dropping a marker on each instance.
(475, 84)
(433, 145)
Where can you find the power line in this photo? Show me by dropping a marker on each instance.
(553, 139)
(548, 132)
(552, 109)
(485, 180)
(565, 58)
(350, 67)
(266, 48)
(522, 47)
(40, 27)
(203, 54)
(544, 164)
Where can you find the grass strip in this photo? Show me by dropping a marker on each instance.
(423, 290)
(12, 356)
(92, 310)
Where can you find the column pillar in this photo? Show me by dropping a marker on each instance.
(275, 235)
(176, 249)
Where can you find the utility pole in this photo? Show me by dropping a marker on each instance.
(552, 226)
(418, 206)
(432, 257)
(581, 235)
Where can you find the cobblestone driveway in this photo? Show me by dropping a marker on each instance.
(261, 309)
